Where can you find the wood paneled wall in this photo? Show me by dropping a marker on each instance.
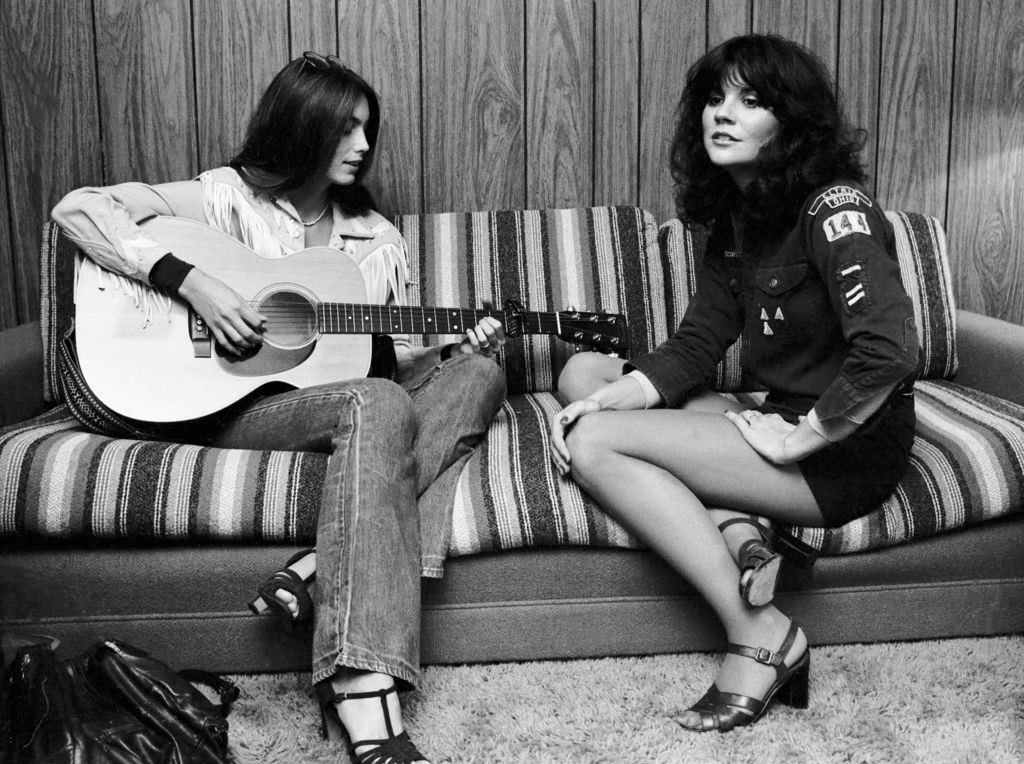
(509, 103)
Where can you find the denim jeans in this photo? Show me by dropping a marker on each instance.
(396, 452)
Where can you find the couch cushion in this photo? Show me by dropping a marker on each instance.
(924, 268)
(60, 482)
(592, 259)
(967, 465)
(57, 481)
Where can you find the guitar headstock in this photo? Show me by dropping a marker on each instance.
(604, 332)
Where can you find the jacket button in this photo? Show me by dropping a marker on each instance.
(773, 283)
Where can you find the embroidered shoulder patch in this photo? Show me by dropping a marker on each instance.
(838, 195)
(845, 223)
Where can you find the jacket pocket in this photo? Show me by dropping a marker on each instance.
(777, 279)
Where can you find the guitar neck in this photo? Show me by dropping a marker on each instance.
(349, 318)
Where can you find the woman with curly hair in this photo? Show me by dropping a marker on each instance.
(800, 261)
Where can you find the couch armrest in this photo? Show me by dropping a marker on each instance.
(21, 373)
(991, 355)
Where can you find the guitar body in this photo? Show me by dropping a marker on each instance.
(141, 359)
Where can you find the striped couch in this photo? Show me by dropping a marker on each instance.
(63, 488)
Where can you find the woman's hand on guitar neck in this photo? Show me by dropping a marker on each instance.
(485, 338)
(236, 327)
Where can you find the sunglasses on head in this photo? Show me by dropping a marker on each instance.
(321, 63)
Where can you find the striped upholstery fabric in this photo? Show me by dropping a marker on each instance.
(58, 481)
(967, 465)
(590, 259)
(924, 268)
(109, 488)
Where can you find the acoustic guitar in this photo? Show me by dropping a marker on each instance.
(150, 357)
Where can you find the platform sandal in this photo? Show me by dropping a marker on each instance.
(759, 564)
(394, 749)
(724, 711)
(292, 582)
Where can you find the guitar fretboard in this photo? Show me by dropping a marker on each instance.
(349, 318)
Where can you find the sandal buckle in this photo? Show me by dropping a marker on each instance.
(763, 655)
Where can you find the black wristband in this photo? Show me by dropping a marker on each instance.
(447, 350)
(168, 272)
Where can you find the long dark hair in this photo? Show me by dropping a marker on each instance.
(297, 125)
(814, 145)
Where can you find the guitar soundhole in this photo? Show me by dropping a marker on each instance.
(291, 319)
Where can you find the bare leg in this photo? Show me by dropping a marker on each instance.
(656, 472)
(586, 372)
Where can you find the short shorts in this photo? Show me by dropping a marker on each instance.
(853, 477)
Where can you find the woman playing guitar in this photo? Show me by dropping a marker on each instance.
(396, 447)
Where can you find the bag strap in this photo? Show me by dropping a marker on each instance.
(226, 689)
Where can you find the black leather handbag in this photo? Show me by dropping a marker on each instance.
(112, 703)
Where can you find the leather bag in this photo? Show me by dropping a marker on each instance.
(113, 703)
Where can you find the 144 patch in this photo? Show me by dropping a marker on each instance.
(845, 223)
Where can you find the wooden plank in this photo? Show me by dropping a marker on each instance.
(239, 46)
(8, 286)
(672, 39)
(986, 183)
(314, 26)
(727, 18)
(559, 103)
(857, 73)
(147, 105)
(814, 23)
(916, 83)
(474, 108)
(381, 41)
(616, 101)
(51, 122)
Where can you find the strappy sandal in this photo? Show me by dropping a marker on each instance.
(724, 711)
(760, 560)
(759, 564)
(394, 749)
(291, 582)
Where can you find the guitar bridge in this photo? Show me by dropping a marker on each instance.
(199, 333)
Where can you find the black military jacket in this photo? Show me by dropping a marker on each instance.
(825, 319)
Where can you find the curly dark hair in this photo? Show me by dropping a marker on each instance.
(814, 145)
(297, 125)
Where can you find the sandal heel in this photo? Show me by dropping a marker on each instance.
(759, 564)
(331, 728)
(394, 749)
(795, 693)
